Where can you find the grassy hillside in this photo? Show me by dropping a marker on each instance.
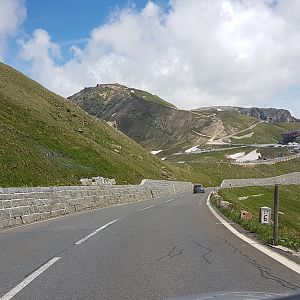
(143, 95)
(236, 120)
(263, 133)
(224, 123)
(289, 204)
(47, 140)
(267, 133)
(213, 174)
(290, 126)
(212, 168)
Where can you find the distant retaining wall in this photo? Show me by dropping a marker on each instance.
(268, 161)
(286, 179)
(26, 205)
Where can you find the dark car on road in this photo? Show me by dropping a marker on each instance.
(198, 188)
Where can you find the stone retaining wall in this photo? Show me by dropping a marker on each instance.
(286, 179)
(268, 161)
(25, 205)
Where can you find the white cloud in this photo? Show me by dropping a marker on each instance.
(12, 14)
(199, 52)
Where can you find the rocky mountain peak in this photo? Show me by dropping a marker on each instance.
(273, 115)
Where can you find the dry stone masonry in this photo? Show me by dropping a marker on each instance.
(97, 181)
(26, 205)
(286, 179)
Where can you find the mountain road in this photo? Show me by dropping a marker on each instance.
(154, 249)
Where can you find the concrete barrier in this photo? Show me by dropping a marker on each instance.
(26, 205)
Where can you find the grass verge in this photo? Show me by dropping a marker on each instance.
(252, 198)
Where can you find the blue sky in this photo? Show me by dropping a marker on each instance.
(67, 20)
(193, 53)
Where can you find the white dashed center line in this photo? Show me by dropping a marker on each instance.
(29, 278)
(147, 207)
(169, 200)
(94, 232)
(48, 264)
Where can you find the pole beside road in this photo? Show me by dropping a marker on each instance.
(275, 232)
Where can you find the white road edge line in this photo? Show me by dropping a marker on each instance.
(281, 259)
(29, 278)
(147, 207)
(94, 232)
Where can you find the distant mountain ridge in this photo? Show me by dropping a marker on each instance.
(158, 125)
(106, 91)
(274, 115)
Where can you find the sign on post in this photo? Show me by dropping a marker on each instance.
(265, 215)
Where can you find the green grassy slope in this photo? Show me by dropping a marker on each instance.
(214, 174)
(230, 119)
(222, 155)
(211, 168)
(143, 95)
(236, 120)
(289, 204)
(264, 133)
(290, 126)
(47, 140)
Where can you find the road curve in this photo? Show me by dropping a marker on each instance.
(154, 249)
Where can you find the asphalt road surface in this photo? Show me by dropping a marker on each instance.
(154, 249)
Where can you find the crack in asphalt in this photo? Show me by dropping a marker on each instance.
(265, 272)
(171, 254)
(55, 255)
(204, 256)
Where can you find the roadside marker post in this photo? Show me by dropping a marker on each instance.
(265, 215)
